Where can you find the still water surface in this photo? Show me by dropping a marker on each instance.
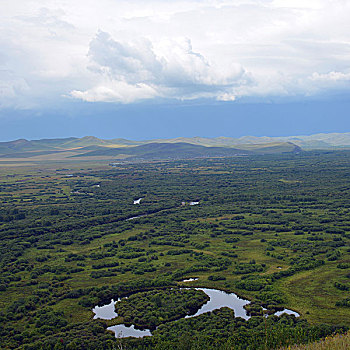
(218, 299)
(105, 312)
(122, 331)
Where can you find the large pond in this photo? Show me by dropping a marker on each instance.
(218, 299)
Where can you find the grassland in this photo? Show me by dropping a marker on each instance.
(337, 342)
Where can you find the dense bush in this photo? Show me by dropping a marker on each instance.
(150, 309)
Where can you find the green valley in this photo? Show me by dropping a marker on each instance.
(272, 228)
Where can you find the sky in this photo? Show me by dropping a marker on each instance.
(169, 68)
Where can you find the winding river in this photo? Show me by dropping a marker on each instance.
(218, 299)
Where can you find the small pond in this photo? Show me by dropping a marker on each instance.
(105, 312)
(189, 280)
(122, 331)
(286, 311)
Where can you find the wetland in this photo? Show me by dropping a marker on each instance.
(274, 230)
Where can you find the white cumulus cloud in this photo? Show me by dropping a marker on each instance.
(168, 68)
(116, 91)
(127, 51)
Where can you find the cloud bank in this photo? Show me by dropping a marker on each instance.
(130, 51)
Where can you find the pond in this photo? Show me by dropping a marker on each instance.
(122, 331)
(218, 299)
(105, 312)
(189, 279)
(137, 201)
(288, 312)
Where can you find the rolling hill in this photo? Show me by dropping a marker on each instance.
(166, 150)
(91, 147)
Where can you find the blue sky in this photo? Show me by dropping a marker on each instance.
(159, 68)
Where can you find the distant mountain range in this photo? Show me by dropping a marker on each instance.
(90, 147)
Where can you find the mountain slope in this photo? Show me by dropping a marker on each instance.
(166, 150)
(182, 150)
(90, 146)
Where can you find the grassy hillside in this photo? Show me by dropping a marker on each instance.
(73, 146)
(166, 150)
(90, 146)
(336, 342)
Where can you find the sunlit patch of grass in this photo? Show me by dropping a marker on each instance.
(312, 292)
(336, 342)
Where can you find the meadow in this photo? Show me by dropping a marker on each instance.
(274, 229)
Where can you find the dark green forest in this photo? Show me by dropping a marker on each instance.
(274, 229)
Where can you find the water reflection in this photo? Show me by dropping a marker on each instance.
(137, 201)
(122, 331)
(286, 311)
(219, 299)
(189, 280)
(105, 312)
